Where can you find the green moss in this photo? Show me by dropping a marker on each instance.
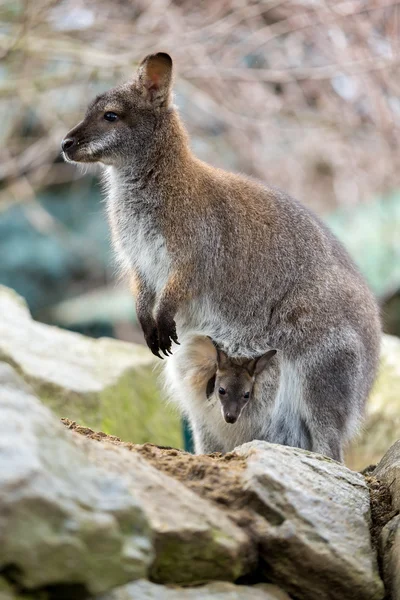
(7, 592)
(205, 557)
(138, 409)
(132, 410)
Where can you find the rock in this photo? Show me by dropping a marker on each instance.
(388, 471)
(77, 511)
(390, 552)
(62, 519)
(144, 590)
(194, 540)
(104, 383)
(382, 424)
(7, 592)
(316, 541)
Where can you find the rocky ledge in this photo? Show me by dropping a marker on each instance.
(85, 515)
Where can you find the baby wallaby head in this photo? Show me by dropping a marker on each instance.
(120, 124)
(234, 381)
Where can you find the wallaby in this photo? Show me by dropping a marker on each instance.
(248, 389)
(222, 255)
(233, 382)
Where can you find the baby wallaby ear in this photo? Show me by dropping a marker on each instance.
(155, 78)
(256, 365)
(222, 358)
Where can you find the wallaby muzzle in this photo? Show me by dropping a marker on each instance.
(232, 411)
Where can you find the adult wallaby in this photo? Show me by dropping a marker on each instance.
(222, 255)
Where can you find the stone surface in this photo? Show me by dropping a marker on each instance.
(74, 510)
(316, 542)
(6, 591)
(194, 540)
(382, 424)
(388, 471)
(144, 590)
(390, 552)
(104, 383)
(62, 519)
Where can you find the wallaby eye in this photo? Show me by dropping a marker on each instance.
(246, 395)
(110, 116)
(222, 391)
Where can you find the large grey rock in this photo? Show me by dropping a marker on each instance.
(315, 542)
(62, 519)
(390, 553)
(105, 384)
(74, 510)
(194, 540)
(144, 590)
(388, 471)
(61, 361)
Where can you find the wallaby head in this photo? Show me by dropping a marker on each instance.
(122, 124)
(234, 381)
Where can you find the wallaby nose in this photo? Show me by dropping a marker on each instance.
(67, 143)
(229, 418)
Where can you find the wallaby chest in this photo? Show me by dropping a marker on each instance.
(136, 232)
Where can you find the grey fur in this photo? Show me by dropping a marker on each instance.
(224, 256)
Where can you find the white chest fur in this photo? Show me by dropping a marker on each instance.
(137, 238)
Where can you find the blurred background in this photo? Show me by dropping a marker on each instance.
(303, 94)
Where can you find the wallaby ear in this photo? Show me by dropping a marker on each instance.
(210, 386)
(256, 365)
(155, 78)
(222, 358)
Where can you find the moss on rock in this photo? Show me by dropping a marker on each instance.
(105, 384)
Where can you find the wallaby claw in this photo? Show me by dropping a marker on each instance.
(155, 351)
(152, 341)
(165, 345)
(174, 338)
(166, 335)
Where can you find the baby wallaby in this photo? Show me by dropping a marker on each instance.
(198, 369)
(234, 380)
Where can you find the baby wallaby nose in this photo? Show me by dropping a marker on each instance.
(229, 418)
(67, 143)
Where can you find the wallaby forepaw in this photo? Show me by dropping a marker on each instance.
(167, 335)
(159, 338)
(151, 338)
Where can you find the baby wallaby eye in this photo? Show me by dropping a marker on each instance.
(246, 395)
(110, 116)
(222, 391)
